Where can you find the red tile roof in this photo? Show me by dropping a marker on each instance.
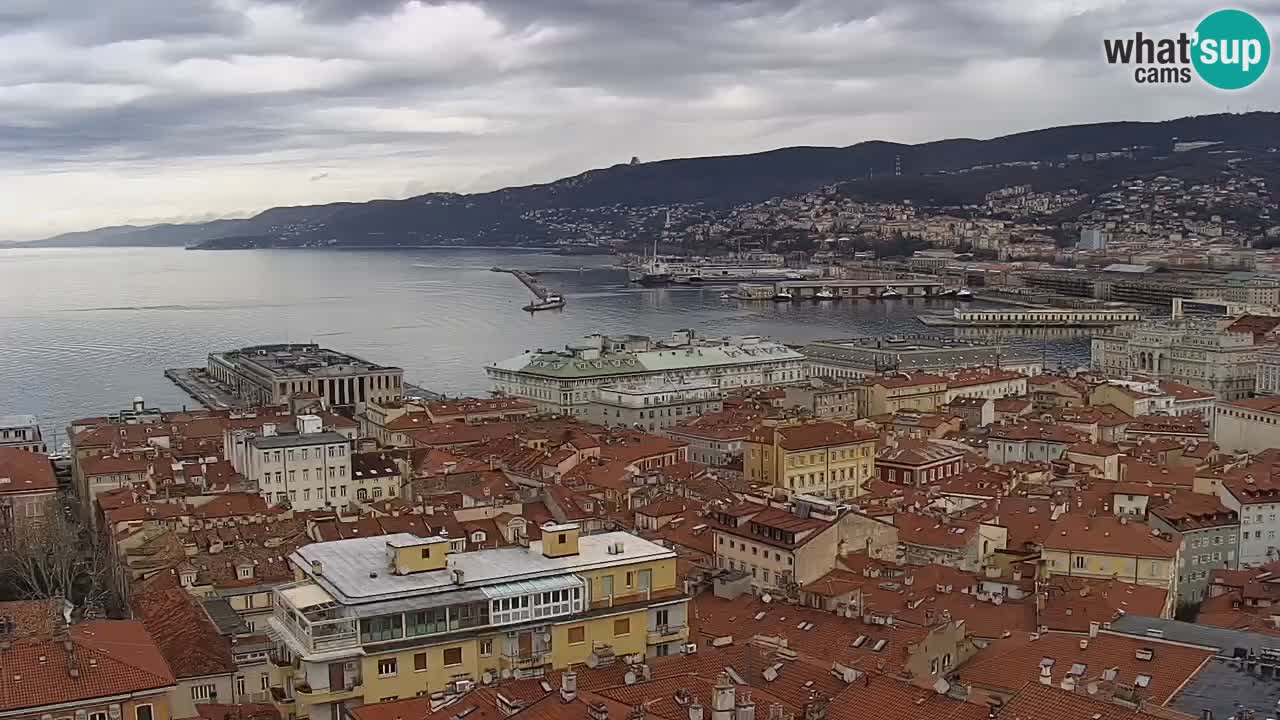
(1042, 702)
(1108, 535)
(185, 635)
(25, 472)
(813, 435)
(1071, 603)
(1008, 665)
(32, 618)
(109, 658)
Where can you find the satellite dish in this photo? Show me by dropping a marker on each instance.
(1092, 688)
(942, 686)
(766, 598)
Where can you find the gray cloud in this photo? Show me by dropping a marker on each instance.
(216, 106)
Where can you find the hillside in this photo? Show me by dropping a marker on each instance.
(518, 215)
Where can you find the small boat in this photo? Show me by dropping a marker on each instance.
(725, 296)
(890, 293)
(824, 294)
(964, 294)
(949, 292)
(783, 296)
(550, 302)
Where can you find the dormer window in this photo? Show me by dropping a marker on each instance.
(188, 578)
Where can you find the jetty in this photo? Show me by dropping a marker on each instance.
(544, 299)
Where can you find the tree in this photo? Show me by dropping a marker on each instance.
(57, 558)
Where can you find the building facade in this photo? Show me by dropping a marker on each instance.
(824, 458)
(652, 406)
(567, 381)
(857, 358)
(1192, 351)
(21, 432)
(1252, 425)
(398, 616)
(309, 469)
(1268, 375)
(274, 374)
(1209, 533)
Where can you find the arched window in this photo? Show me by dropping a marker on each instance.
(362, 494)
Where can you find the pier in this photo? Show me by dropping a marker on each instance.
(529, 281)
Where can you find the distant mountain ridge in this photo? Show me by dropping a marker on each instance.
(506, 216)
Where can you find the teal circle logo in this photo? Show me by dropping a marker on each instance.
(1232, 49)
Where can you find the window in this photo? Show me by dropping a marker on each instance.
(486, 648)
(382, 628)
(1080, 562)
(240, 685)
(419, 662)
(386, 667)
(452, 656)
(143, 712)
(621, 626)
(200, 693)
(265, 681)
(98, 716)
(577, 635)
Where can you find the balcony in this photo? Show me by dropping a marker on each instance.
(527, 660)
(311, 696)
(309, 621)
(668, 633)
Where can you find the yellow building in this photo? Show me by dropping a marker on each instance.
(381, 618)
(829, 459)
(1107, 547)
(886, 394)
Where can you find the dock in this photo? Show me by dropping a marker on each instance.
(539, 291)
(862, 288)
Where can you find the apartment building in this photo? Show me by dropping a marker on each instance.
(856, 358)
(822, 398)
(309, 469)
(885, 394)
(391, 617)
(823, 458)
(28, 492)
(990, 383)
(1252, 425)
(21, 432)
(652, 406)
(1106, 547)
(1209, 532)
(780, 548)
(1254, 495)
(715, 439)
(95, 670)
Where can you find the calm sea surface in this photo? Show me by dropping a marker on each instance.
(82, 331)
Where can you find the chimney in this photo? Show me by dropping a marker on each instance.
(1046, 675)
(746, 709)
(597, 711)
(1093, 629)
(316, 568)
(568, 686)
(695, 711)
(724, 700)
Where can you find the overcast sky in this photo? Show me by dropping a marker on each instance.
(138, 111)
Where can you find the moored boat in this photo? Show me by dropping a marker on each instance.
(550, 302)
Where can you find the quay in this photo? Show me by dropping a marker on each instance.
(1029, 318)
(806, 289)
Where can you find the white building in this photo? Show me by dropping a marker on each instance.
(566, 381)
(653, 406)
(1268, 376)
(310, 469)
(1255, 501)
(21, 432)
(1251, 425)
(1092, 239)
(1193, 351)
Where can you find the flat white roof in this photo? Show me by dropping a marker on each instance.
(356, 571)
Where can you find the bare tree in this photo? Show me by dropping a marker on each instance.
(58, 558)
